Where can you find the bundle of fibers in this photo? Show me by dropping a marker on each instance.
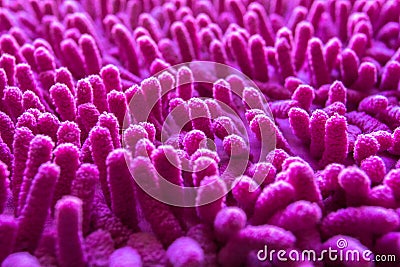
(87, 86)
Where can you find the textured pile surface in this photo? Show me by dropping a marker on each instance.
(85, 89)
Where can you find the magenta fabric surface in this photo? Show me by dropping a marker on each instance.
(276, 121)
